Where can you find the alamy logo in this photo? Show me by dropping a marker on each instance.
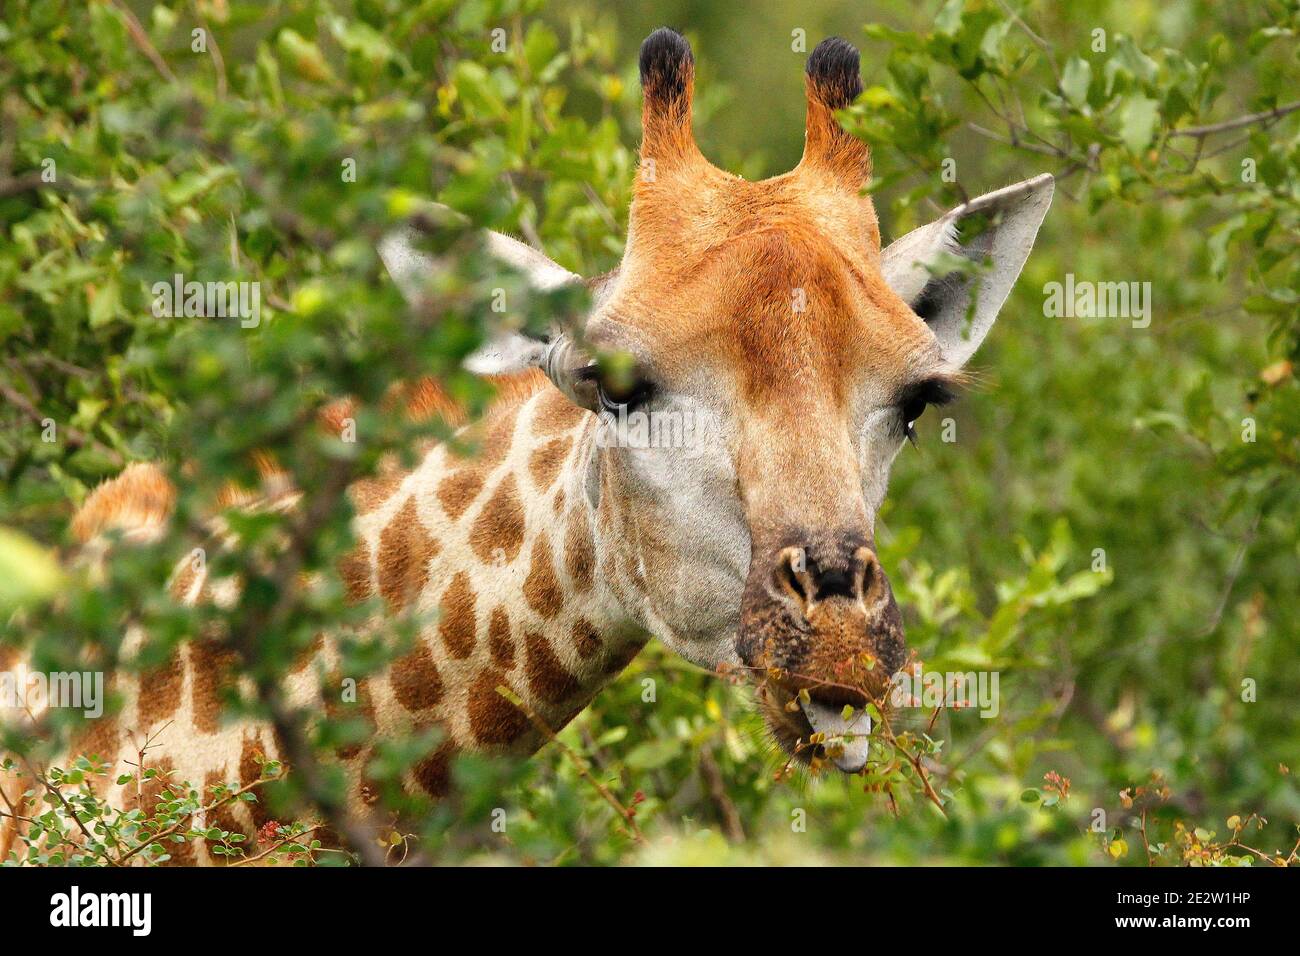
(242, 300)
(658, 429)
(930, 689)
(133, 910)
(32, 691)
(1085, 299)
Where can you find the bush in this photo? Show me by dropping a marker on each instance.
(1114, 530)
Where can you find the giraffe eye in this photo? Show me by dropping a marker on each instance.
(618, 390)
(918, 398)
(626, 399)
(913, 409)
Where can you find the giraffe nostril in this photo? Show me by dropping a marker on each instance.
(792, 577)
(805, 581)
(868, 572)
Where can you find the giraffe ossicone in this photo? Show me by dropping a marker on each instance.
(553, 555)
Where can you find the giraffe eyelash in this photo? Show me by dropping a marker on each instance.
(642, 390)
(915, 399)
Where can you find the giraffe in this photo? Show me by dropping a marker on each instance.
(766, 311)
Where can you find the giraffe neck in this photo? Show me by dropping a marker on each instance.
(496, 552)
(500, 549)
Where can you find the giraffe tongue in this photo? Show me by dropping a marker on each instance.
(852, 734)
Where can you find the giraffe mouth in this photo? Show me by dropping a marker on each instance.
(847, 737)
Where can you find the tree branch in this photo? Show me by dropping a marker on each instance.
(628, 816)
(1268, 116)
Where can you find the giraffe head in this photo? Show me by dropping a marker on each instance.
(763, 324)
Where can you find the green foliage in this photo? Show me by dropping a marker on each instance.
(74, 825)
(1101, 533)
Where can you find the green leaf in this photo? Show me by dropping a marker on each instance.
(653, 753)
(106, 304)
(948, 20)
(1075, 80)
(1138, 118)
(304, 57)
(540, 45)
(28, 572)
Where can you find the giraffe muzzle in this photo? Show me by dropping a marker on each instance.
(822, 633)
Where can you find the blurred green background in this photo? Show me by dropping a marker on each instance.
(1099, 532)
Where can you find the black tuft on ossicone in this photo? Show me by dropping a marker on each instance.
(666, 64)
(834, 70)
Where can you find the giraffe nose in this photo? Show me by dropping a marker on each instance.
(806, 580)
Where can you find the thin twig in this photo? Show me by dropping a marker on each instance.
(709, 770)
(1267, 116)
(1016, 143)
(626, 815)
(141, 39)
(218, 62)
(1038, 40)
(295, 838)
(34, 180)
(72, 436)
(1234, 571)
(1146, 845)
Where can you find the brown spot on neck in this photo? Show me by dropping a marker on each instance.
(585, 638)
(160, 690)
(546, 460)
(547, 678)
(488, 442)
(433, 773)
(457, 624)
(368, 494)
(498, 531)
(100, 739)
(415, 679)
(339, 709)
(541, 587)
(458, 490)
(624, 656)
(556, 414)
(492, 718)
(355, 572)
(579, 555)
(213, 672)
(405, 550)
(491, 439)
(500, 642)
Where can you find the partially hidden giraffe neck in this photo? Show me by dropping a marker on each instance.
(495, 552)
(501, 547)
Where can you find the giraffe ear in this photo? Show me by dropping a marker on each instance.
(506, 351)
(409, 266)
(1001, 227)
